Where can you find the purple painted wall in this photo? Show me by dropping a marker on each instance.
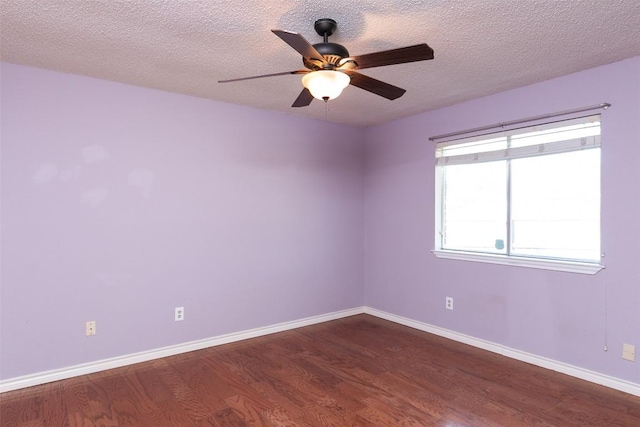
(551, 314)
(120, 203)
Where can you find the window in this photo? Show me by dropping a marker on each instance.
(527, 196)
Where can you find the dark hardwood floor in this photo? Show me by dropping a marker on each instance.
(357, 371)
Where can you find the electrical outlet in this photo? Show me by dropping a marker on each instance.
(629, 352)
(179, 313)
(90, 328)
(449, 303)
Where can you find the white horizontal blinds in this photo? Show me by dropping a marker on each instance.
(551, 138)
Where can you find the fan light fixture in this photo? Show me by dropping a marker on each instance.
(329, 68)
(325, 84)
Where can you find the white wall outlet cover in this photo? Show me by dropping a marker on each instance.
(179, 314)
(629, 352)
(449, 303)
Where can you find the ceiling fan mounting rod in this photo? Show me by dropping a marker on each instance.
(325, 27)
(331, 53)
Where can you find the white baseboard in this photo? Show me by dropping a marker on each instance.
(574, 371)
(117, 362)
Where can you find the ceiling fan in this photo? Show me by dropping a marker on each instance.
(329, 68)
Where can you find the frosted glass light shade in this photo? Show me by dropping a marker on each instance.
(325, 84)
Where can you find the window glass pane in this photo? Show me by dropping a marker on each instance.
(555, 205)
(474, 207)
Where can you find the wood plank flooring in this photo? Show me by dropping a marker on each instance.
(357, 371)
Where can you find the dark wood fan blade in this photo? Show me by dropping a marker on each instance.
(303, 99)
(265, 75)
(300, 44)
(419, 52)
(375, 86)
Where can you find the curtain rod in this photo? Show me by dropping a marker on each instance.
(604, 106)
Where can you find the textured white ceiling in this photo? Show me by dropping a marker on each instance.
(481, 47)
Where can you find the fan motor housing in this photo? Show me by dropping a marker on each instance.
(332, 52)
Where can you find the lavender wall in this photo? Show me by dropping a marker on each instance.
(552, 314)
(120, 203)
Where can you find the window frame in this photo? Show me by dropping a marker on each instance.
(555, 264)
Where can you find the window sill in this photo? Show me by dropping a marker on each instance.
(543, 264)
